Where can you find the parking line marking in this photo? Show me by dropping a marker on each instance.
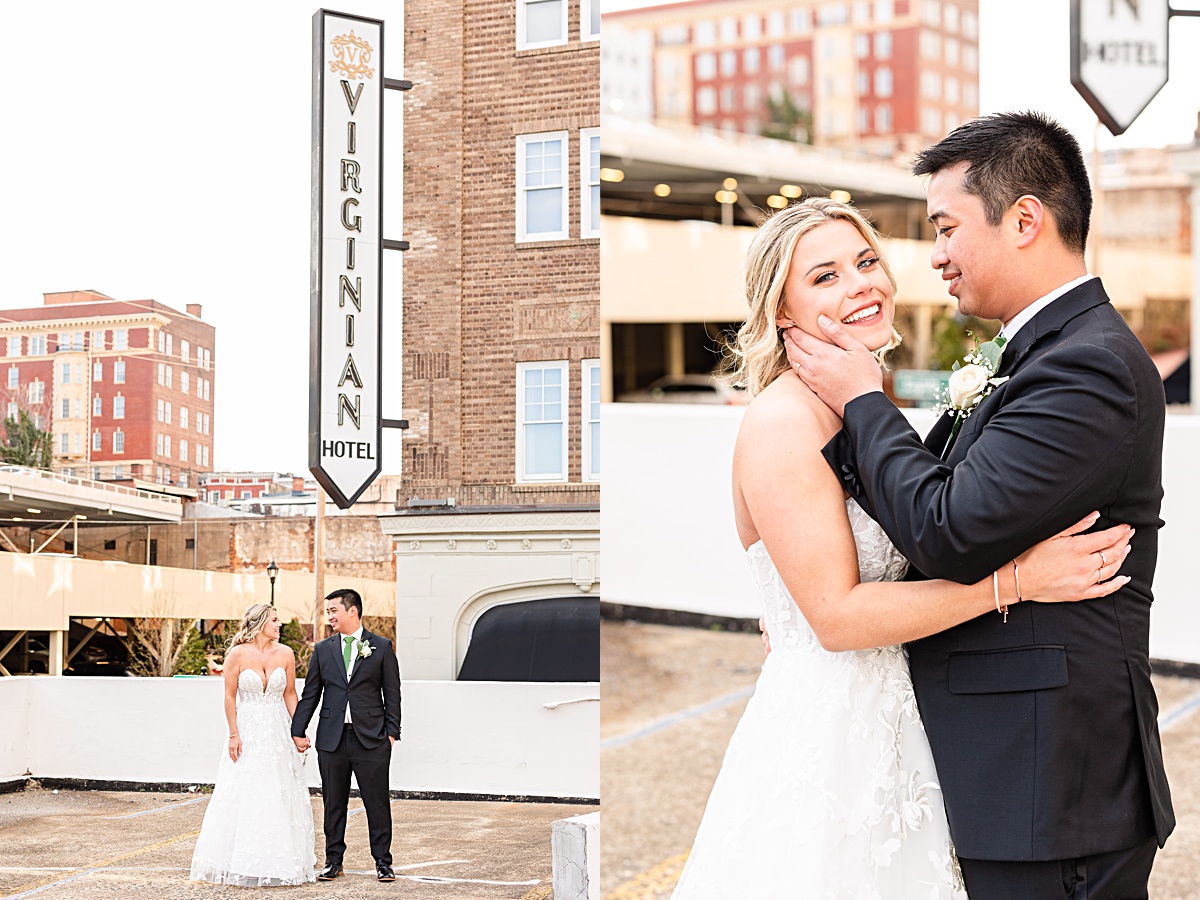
(37, 888)
(652, 883)
(146, 812)
(676, 718)
(1179, 713)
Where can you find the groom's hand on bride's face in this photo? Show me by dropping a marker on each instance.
(837, 372)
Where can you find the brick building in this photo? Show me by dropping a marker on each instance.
(125, 387)
(887, 76)
(501, 325)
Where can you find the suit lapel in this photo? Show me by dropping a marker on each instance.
(1051, 320)
(359, 660)
(339, 661)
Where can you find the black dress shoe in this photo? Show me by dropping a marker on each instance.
(384, 873)
(330, 872)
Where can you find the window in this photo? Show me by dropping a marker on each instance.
(207, 385)
(97, 444)
(970, 58)
(37, 391)
(168, 419)
(119, 371)
(169, 345)
(589, 20)
(728, 63)
(118, 444)
(64, 444)
(798, 70)
(777, 24)
(862, 46)
(97, 371)
(12, 346)
(162, 373)
(246, 495)
(541, 186)
(706, 33)
(862, 11)
(952, 91)
(207, 364)
(121, 339)
(950, 18)
(541, 421)
(884, 10)
(833, 14)
(541, 23)
(751, 58)
(776, 57)
(66, 408)
(864, 86)
(77, 341)
(77, 443)
(183, 417)
(206, 421)
(672, 35)
(37, 345)
(158, 444)
(883, 81)
(13, 411)
(183, 381)
(952, 47)
(970, 24)
(590, 418)
(185, 351)
(883, 118)
(162, 342)
(169, 379)
(589, 188)
(161, 409)
(97, 406)
(183, 448)
(65, 377)
(205, 463)
(78, 407)
(14, 377)
(728, 103)
(751, 97)
(800, 21)
(883, 45)
(118, 407)
(706, 66)
(728, 30)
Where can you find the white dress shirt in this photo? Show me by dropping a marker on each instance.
(1018, 321)
(353, 657)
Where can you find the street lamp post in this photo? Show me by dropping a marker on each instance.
(272, 573)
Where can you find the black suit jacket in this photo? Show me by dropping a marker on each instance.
(1044, 730)
(373, 692)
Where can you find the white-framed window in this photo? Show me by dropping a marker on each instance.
(77, 443)
(884, 10)
(169, 374)
(777, 23)
(183, 417)
(78, 407)
(776, 57)
(951, 47)
(162, 373)
(161, 409)
(751, 60)
(13, 412)
(862, 46)
(542, 421)
(185, 352)
(97, 405)
(542, 191)
(66, 408)
(541, 23)
(184, 379)
(65, 376)
(118, 407)
(589, 20)
(183, 450)
(162, 342)
(14, 377)
(590, 419)
(37, 345)
(205, 463)
(119, 371)
(64, 444)
(11, 345)
(883, 118)
(97, 443)
(37, 391)
(706, 66)
(952, 90)
(97, 371)
(589, 182)
(169, 345)
(207, 385)
(883, 81)
(751, 26)
(121, 339)
(729, 63)
(705, 33)
(883, 45)
(158, 444)
(168, 419)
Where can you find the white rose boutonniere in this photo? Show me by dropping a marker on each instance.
(970, 382)
(365, 649)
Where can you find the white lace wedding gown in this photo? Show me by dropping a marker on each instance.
(258, 828)
(828, 789)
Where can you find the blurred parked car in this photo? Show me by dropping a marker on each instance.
(687, 389)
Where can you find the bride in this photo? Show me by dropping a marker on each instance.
(258, 828)
(828, 788)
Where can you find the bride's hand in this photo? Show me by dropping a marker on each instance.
(1075, 566)
(235, 748)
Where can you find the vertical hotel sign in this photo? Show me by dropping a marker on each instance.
(345, 428)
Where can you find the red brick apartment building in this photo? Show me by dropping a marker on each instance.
(501, 286)
(889, 76)
(125, 387)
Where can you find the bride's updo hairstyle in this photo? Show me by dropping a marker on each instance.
(253, 620)
(758, 354)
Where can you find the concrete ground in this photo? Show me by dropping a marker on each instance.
(672, 697)
(97, 844)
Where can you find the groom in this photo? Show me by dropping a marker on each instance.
(1043, 727)
(355, 675)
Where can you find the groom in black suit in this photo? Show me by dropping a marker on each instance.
(355, 675)
(1043, 727)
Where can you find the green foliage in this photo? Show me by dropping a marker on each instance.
(950, 338)
(192, 660)
(299, 638)
(24, 443)
(216, 639)
(786, 121)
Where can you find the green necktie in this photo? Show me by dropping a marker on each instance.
(346, 648)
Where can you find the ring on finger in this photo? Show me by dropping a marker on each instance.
(1099, 575)
(1103, 558)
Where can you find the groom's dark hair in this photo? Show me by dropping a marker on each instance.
(348, 598)
(1017, 153)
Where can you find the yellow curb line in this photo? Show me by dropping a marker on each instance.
(541, 892)
(73, 873)
(653, 882)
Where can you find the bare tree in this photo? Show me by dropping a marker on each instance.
(160, 644)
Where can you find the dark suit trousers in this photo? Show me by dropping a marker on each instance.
(1119, 875)
(370, 768)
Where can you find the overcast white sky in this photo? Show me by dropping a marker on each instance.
(160, 150)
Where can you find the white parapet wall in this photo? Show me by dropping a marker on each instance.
(669, 543)
(575, 846)
(470, 738)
